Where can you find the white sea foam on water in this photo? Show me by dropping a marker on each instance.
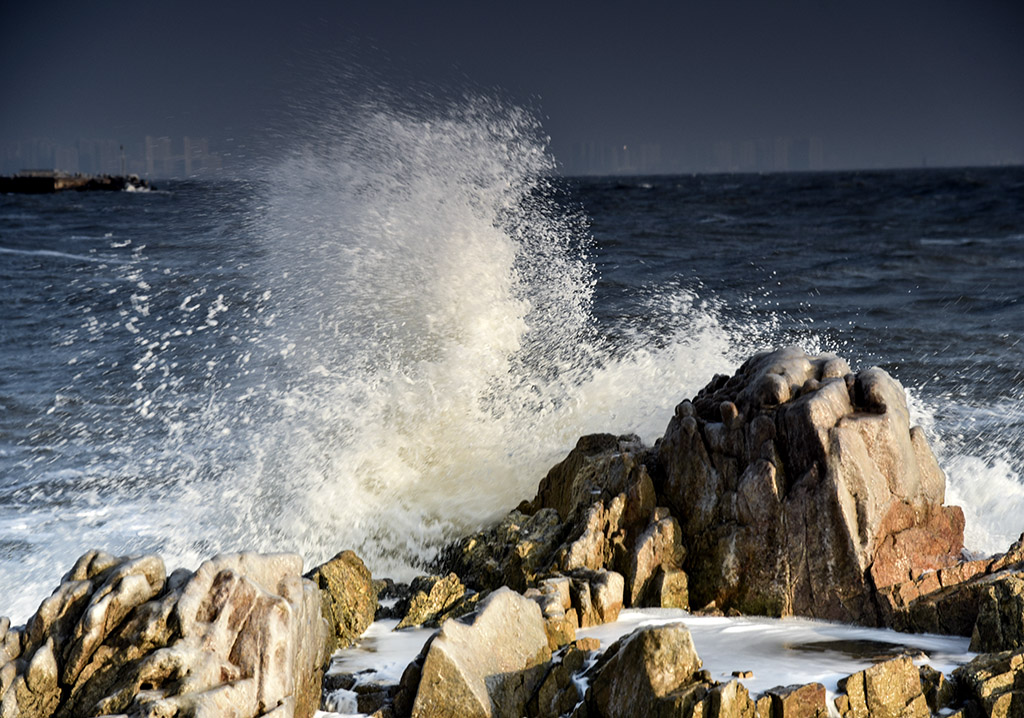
(778, 652)
(983, 479)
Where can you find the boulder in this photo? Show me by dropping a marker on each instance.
(1000, 622)
(243, 636)
(348, 598)
(796, 701)
(487, 664)
(435, 599)
(594, 511)
(640, 671)
(993, 684)
(800, 488)
(891, 689)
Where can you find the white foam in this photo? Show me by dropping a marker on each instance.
(778, 652)
(775, 650)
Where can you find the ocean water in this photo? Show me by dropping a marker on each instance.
(384, 337)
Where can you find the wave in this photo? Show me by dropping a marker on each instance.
(62, 255)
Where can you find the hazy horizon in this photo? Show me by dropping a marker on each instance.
(665, 88)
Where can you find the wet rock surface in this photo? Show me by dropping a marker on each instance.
(243, 635)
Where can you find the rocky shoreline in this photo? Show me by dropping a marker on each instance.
(793, 488)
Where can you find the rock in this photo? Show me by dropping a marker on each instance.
(435, 599)
(885, 690)
(658, 549)
(638, 672)
(800, 488)
(595, 596)
(348, 598)
(242, 636)
(993, 684)
(938, 691)
(555, 600)
(513, 553)
(798, 701)
(557, 694)
(669, 589)
(488, 665)
(1000, 622)
(949, 600)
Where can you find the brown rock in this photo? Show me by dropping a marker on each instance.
(993, 684)
(489, 666)
(435, 599)
(347, 598)
(814, 481)
(798, 701)
(641, 669)
(885, 690)
(1000, 622)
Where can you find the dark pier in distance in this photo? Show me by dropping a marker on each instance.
(48, 181)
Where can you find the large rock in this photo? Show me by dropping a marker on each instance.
(638, 673)
(891, 689)
(800, 487)
(594, 511)
(951, 599)
(993, 684)
(1000, 622)
(487, 667)
(242, 636)
(348, 598)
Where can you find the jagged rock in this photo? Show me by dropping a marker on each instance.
(993, 683)
(669, 589)
(242, 636)
(557, 694)
(348, 598)
(435, 599)
(885, 690)
(797, 701)
(554, 596)
(488, 666)
(1000, 622)
(512, 553)
(658, 550)
(800, 487)
(938, 691)
(947, 600)
(637, 674)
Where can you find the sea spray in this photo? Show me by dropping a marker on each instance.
(437, 295)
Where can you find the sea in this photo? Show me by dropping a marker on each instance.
(382, 336)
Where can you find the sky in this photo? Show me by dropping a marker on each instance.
(694, 85)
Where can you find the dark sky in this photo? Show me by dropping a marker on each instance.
(878, 83)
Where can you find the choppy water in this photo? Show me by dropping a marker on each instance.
(385, 338)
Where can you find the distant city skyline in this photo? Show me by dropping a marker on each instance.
(660, 87)
(198, 157)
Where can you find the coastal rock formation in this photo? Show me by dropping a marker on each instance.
(993, 685)
(793, 487)
(949, 600)
(891, 689)
(801, 488)
(594, 512)
(118, 636)
(347, 596)
(488, 666)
